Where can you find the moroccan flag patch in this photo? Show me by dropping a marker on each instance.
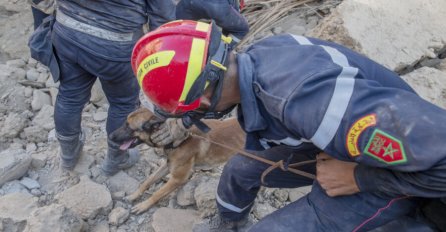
(385, 148)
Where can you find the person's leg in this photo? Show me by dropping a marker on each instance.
(319, 212)
(74, 93)
(241, 179)
(121, 89)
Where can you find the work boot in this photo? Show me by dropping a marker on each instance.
(70, 149)
(219, 224)
(118, 159)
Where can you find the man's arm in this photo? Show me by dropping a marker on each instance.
(160, 12)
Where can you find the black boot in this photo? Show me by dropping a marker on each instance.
(70, 149)
(118, 159)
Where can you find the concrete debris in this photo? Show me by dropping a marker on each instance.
(14, 164)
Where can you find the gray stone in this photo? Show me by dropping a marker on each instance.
(45, 118)
(118, 216)
(15, 164)
(14, 187)
(185, 196)
(296, 193)
(430, 84)
(122, 182)
(205, 196)
(32, 75)
(100, 227)
(36, 192)
(29, 183)
(17, 63)
(84, 164)
(40, 99)
(86, 198)
(35, 134)
(15, 210)
(51, 84)
(31, 147)
(168, 219)
(28, 92)
(97, 94)
(39, 159)
(13, 125)
(281, 194)
(385, 30)
(100, 116)
(55, 218)
(260, 210)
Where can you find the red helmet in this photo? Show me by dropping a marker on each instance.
(169, 60)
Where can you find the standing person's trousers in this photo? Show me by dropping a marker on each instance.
(78, 73)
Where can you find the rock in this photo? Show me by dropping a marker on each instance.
(168, 219)
(39, 160)
(28, 92)
(118, 195)
(35, 134)
(261, 210)
(13, 125)
(118, 216)
(205, 196)
(430, 84)
(100, 227)
(17, 63)
(86, 198)
(32, 75)
(296, 193)
(36, 192)
(84, 164)
(53, 93)
(45, 118)
(51, 84)
(97, 94)
(43, 77)
(29, 183)
(15, 99)
(14, 164)
(31, 147)
(55, 218)
(384, 30)
(40, 99)
(442, 65)
(122, 182)
(15, 209)
(185, 196)
(281, 194)
(14, 187)
(100, 116)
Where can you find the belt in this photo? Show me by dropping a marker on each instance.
(92, 30)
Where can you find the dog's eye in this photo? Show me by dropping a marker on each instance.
(146, 126)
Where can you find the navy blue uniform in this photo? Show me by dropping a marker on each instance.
(226, 14)
(301, 96)
(94, 39)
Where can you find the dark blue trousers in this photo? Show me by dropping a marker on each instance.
(78, 72)
(240, 182)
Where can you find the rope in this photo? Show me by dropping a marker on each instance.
(279, 164)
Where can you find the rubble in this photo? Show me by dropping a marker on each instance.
(406, 36)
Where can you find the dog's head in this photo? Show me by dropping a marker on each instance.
(137, 129)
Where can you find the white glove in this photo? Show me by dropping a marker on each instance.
(171, 131)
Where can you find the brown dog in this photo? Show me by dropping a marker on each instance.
(181, 160)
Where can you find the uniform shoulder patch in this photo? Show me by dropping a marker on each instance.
(385, 148)
(355, 131)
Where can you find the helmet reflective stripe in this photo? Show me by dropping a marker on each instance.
(159, 59)
(196, 61)
(204, 27)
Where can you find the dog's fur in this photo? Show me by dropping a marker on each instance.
(181, 160)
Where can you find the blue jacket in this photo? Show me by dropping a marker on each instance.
(309, 93)
(115, 25)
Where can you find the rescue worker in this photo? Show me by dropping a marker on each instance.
(226, 13)
(93, 39)
(383, 145)
(40, 10)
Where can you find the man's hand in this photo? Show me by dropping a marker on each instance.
(336, 177)
(171, 131)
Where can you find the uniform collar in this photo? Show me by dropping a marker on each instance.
(252, 119)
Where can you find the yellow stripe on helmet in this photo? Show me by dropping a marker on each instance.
(196, 60)
(204, 27)
(156, 60)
